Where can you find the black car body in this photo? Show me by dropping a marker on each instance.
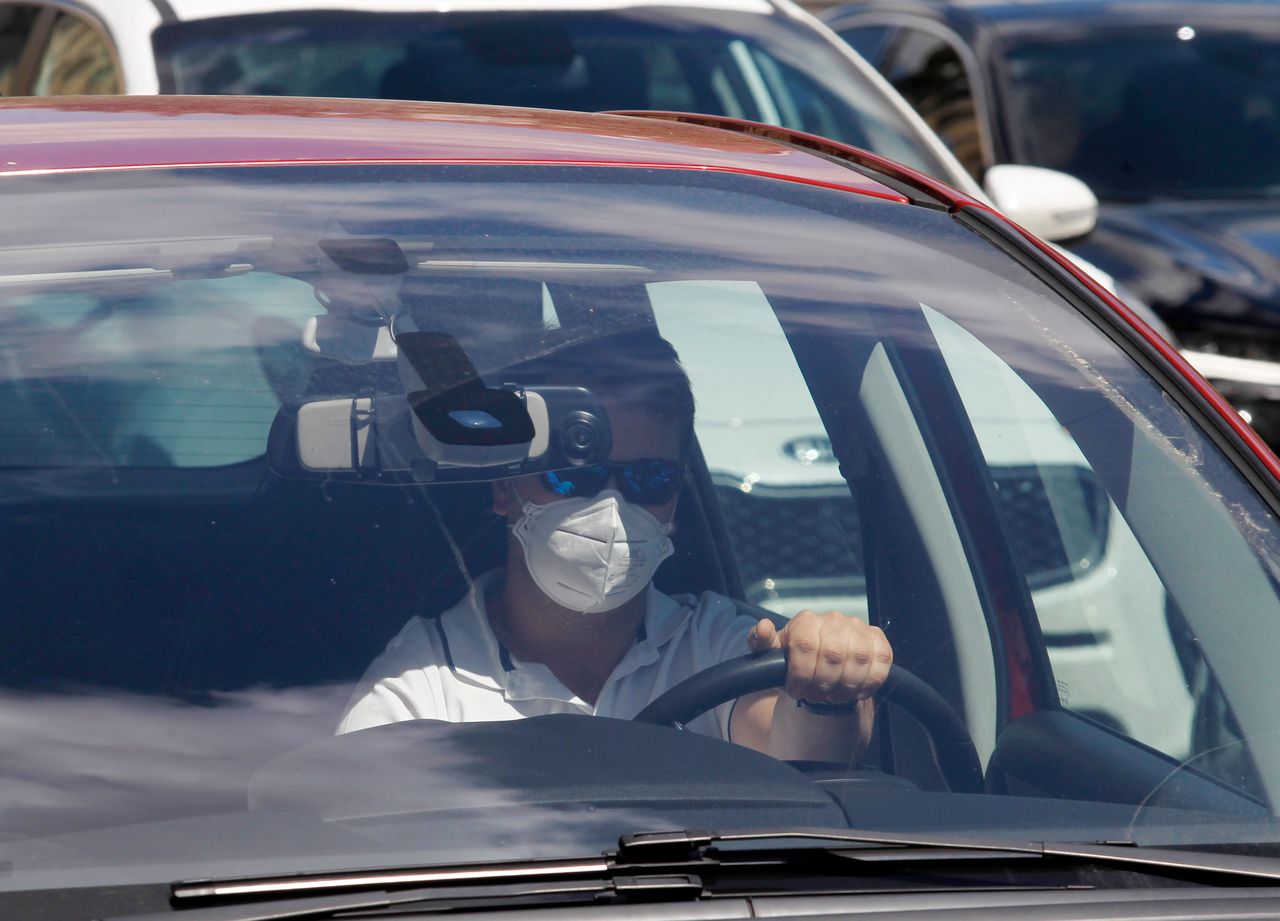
(1170, 112)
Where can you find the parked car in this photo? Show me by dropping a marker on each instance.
(201, 555)
(1170, 112)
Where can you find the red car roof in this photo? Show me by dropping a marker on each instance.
(80, 133)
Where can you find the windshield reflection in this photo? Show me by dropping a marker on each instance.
(193, 607)
(98, 757)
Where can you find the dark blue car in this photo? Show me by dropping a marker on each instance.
(1170, 111)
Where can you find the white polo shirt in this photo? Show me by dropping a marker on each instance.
(453, 667)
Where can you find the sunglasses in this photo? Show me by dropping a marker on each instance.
(647, 481)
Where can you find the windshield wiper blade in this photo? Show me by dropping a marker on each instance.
(657, 845)
(664, 865)
(692, 847)
(646, 867)
(442, 898)
(389, 877)
(643, 852)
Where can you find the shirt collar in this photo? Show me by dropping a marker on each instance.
(473, 652)
(476, 655)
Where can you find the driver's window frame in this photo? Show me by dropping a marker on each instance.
(900, 26)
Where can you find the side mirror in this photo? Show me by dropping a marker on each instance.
(1050, 204)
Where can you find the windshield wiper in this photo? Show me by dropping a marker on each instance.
(676, 848)
(668, 866)
(390, 877)
(899, 848)
(643, 852)
(438, 898)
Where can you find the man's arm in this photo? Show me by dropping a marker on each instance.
(831, 659)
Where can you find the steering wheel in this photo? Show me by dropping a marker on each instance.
(733, 678)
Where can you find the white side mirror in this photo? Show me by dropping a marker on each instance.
(1050, 204)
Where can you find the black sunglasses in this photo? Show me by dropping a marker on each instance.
(647, 481)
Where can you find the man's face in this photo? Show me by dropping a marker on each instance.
(637, 434)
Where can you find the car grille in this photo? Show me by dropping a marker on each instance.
(804, 542)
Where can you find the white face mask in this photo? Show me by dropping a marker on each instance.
(592, 555)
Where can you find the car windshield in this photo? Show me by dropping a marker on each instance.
(1182, 110)
(247, 440)
(757, 66)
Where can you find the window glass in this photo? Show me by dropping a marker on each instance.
(77, 61)
(149, 372)
(218, 510)
(1101, 607)
(16, 20)
(793, 527)
(792, 523)
(1145, 111)
(811, 106)
(868, 41)
(669, 86)
(1120, 653)
(743, 65)
(928, 71)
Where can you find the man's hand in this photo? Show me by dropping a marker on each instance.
(831, 658)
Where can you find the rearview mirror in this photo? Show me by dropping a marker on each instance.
(461, 435)
(1052, 205)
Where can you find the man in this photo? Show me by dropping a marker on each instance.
(572, 623)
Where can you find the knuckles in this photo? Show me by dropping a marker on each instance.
(829, 642)
(802, 646)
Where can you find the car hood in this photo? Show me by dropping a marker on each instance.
(1198, 263)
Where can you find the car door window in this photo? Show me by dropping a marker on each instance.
(795, 529)
(78, 61)
(929, 72)
(792, 522)
(1120, 653)
(868, 40)
(802, 103)
(16, 23)
(746, 65)
(667, 83)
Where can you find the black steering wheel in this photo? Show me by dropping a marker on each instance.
(731, 679)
